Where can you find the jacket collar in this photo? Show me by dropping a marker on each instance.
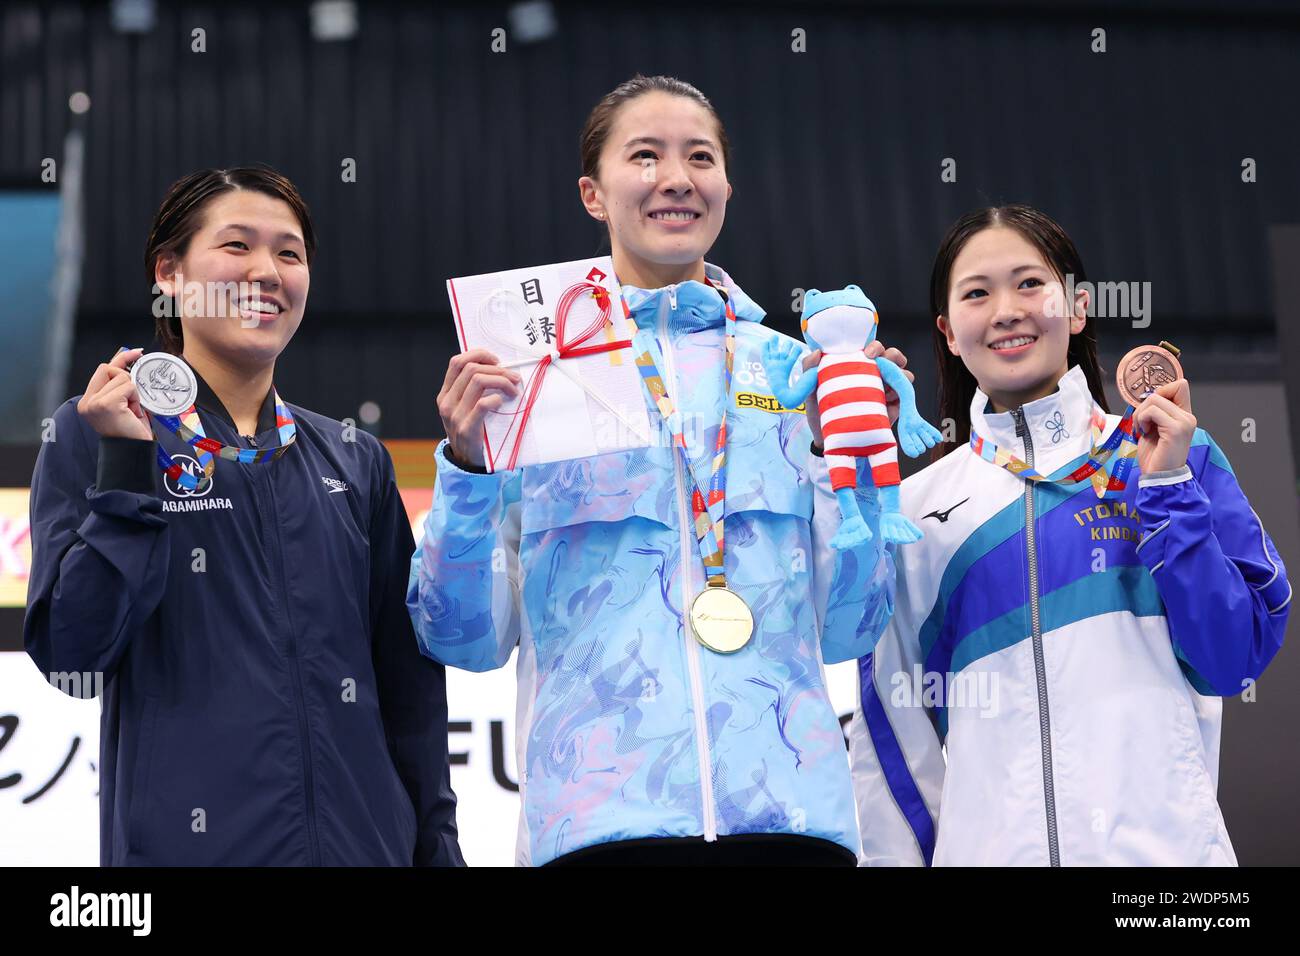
(1059, 425)
(691, 306)
(208, 401)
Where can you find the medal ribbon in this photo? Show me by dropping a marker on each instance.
(188, 427)
(564, 348)
(708, 508)
(1121, 445)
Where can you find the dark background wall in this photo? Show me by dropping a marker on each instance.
(467, 160)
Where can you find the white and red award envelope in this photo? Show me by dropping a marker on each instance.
(562, 327)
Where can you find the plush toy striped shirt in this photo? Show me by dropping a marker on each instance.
(855, 422)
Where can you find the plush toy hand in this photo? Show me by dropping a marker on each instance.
(779, 356)
(915, 434)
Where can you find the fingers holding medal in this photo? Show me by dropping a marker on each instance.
(111, 404)
(1150, 379)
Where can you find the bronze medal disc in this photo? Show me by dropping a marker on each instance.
(1146, 369)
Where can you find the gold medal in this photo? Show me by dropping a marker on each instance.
(1145, 369)
(720, 618)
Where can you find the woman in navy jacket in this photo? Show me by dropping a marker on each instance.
(264, 698)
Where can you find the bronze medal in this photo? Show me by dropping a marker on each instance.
(1146, 369)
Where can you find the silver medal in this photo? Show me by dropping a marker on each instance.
(165, 384)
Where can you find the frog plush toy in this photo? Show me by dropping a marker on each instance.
(850, 399)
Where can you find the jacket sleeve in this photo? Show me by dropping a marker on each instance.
(463, 591)
(412, 689)
(895, 753)
(100, 549)
(1224, 588)
(853, 591)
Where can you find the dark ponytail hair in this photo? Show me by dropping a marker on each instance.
(956, 384)
(601, 119)
(181, 215)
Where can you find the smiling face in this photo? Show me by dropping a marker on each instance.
(662, 188)
(1006, 317)
(241, 284)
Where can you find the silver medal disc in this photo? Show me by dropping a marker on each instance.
(165, 384)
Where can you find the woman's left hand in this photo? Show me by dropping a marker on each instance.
(1167, 423)
(874, 350)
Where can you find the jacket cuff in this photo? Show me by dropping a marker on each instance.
(444, 455)
(478, 478)
(1171, 477)
(126, 464)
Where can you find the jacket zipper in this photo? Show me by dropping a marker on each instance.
(688, 557)
(1040, 666)
(304, 737)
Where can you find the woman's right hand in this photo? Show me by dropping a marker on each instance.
(111, 405)
(475, 385)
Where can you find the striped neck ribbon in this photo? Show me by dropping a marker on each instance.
(188, 427)
(1119, 451)
(708, 507)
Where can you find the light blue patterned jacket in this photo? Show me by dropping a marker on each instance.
(627, 727)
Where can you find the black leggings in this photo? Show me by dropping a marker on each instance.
(746, 849)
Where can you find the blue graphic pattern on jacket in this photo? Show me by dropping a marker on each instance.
(629, 729)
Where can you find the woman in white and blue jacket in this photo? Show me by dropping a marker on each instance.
(635, 743)
(1066, 653)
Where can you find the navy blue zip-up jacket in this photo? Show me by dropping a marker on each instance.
(264, 698)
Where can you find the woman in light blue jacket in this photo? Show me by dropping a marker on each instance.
(637, 741)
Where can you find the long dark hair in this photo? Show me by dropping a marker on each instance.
(181, 215)
(956, 384)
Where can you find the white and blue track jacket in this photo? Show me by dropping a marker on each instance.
(1048, 690)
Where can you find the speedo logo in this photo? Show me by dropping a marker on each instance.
(767, 403)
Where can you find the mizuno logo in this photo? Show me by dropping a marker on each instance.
(943, 515)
